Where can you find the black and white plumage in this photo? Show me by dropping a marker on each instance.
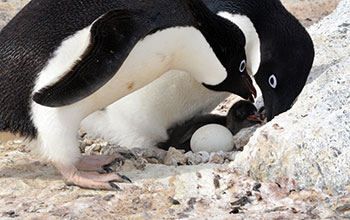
(62, 60)
(279, 50)
(279, 55)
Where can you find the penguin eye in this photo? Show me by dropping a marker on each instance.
(242, 66)
(273, 81)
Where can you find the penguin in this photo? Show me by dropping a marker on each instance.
(279, 53)
(62, 60)
(141, 119)
(241, 115)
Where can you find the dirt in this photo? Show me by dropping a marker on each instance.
(310, 11)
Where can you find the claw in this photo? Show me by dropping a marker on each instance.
(107, 169)
(124, 177)
(128, 155)
(115, 186)
(97, 162)
(93, 172)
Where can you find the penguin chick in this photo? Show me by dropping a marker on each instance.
(63, 60)
(241, 115)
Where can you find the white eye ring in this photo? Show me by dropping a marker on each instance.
(273, 81)
(242, 66)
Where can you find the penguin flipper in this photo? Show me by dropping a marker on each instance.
(113, 36)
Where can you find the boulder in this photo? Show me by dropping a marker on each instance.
(309, 146)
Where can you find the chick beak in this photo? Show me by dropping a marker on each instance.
(257, 117)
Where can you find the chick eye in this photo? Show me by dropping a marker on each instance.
(242, 66)
(273, 81)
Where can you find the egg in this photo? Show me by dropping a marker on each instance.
(212, 138)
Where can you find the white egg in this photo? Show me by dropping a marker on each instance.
(212, 138)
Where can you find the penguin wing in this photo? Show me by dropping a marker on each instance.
(113, 36)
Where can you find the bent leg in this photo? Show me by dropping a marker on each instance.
(58, 142)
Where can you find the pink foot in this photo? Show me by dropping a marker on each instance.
(87, 173)
(97, 163)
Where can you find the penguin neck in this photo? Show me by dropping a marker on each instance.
(252, 47)
(209, 47)
(193, 54)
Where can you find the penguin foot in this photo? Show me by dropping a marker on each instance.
(93, 172)
(91, 179)
(99, 163)
(106, 177)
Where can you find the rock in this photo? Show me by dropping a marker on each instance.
(144, 152)
(140, 163)
(308, 146)
(230, 155)
(242, 138)
(192, 158)
(216, 157)
(204, 155)
(175, 157)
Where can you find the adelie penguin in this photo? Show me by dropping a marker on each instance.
(279, 55)
(279, 50)
(241, 115)
(61, 60)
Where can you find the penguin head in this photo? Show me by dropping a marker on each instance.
(283, 72)
(228, 43)
(237, 81)
(241, 115)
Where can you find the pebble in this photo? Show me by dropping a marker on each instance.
(140, 163)
(144, 152)
(144, 156)
(193, 159)
(11, 214)
(240, 202)
(257, 187)
(230, 155)
(343, 208)
(175, 157)
(216, 157)
(204, 156)
(174, 201)
(108, 197)
(242, 137)
(161, 156)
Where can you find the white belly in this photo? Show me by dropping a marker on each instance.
(142, 118)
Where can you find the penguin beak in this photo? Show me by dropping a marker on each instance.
(251, 88)
(257, 117)
(275, 105)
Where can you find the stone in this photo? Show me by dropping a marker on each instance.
(216, 157)
(242, 138)
(308, 146)
(193, 159)
(175, 157)
(204, 155)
